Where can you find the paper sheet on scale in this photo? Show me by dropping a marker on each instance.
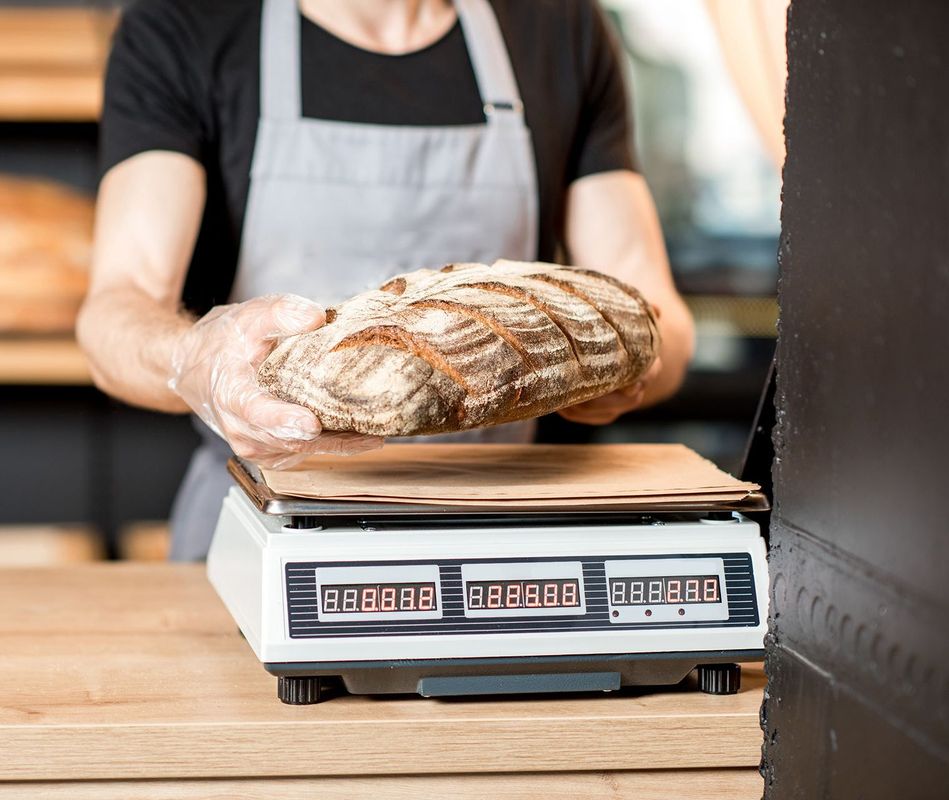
(497, 475)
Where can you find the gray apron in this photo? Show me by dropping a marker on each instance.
(335, 208)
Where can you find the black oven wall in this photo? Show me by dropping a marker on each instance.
(858, 701)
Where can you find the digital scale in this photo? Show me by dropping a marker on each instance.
(449, 601)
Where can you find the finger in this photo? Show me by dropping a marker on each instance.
(634, 391)
(248, 410)
(346, 444)
(261, 448)
(282, 421)
(607, 402)
(653, 372)
(295, 314)
(276, 454)
(276, 316)
(590, 419)
(283, 460)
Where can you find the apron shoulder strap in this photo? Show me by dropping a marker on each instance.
(280, 60)
(489, 58)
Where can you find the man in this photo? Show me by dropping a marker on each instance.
(260, 152)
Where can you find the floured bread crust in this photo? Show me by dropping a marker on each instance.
(466, 347)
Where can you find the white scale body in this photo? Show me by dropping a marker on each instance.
(484, 608)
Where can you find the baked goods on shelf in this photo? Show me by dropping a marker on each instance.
(466, 347)
(45, 250)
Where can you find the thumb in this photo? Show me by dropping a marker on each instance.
(292, 314)
(275, 316)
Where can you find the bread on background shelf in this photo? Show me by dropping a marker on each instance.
(45, 252)
(466, 347)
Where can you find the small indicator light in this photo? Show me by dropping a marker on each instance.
(648, 612)
(615, 613)
(681, 612)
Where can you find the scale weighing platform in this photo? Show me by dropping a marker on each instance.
(447, 601)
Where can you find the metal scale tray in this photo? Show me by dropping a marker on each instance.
(309, 512)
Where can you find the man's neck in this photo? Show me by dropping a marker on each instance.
(384, 26)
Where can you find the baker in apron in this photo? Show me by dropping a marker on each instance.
(335, 208)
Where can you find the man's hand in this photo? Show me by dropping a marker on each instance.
(214, 370)
(610, 407)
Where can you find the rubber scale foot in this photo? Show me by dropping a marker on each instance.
(299, 691)
(720, 678)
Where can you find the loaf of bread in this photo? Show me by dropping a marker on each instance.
(466, 347)
(45, 250)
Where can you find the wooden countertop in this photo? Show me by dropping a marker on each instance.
(136, 673)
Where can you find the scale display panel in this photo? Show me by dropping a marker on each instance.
(652, 590)
(349, 594)
(551, 588)
(518, 596)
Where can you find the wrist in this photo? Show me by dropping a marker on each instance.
(177, 354)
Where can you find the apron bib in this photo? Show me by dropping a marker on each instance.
(335, 208)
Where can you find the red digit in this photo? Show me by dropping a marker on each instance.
(349, 599)
(512, 597)
(407, 599)
(692, 590)
(570, 591)
(370, 596)
(550, 594)
(476, 596)
(494, 595)
(655, 591)
(426, 598)
(637, 592)
(674, 591)
(532, 595)
(388, 598)
(711, 590)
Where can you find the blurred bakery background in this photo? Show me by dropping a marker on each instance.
(83, 477)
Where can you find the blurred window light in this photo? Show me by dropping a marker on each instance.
(716, 187)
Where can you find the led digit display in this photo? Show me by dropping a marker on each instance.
(367, 598)
(514, 594)
(665, 590)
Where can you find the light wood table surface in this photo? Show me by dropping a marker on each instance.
(131, 681)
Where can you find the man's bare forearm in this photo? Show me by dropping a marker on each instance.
(128, 338)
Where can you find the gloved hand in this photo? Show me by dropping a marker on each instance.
(610, 407)
(214, 370)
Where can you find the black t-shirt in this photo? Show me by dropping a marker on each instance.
(184, 76)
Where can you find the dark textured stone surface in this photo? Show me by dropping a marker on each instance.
(858, 705)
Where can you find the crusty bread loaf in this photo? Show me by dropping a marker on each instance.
(470, 346)
(45, 249)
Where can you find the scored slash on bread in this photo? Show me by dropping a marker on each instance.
(466, 347)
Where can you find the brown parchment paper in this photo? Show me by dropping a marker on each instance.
(491, 474)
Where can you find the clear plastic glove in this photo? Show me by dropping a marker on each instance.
(214, 370)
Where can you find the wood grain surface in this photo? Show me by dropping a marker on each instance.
(707, 784)
(136, 671)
